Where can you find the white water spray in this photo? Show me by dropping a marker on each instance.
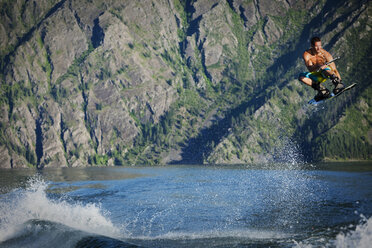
(361, 237)
(32, 203)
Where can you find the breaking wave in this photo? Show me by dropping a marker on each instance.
(361, 237)
(27, 214)
(29, 217)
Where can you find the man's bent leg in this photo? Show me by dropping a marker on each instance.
(323, 92)
(335, 80)
(338, 85)
(306, 80)
(315, 83)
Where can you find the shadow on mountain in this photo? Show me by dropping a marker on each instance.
(200, 147)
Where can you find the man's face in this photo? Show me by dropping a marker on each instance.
(317, 46)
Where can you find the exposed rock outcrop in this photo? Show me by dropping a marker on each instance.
(129, 82)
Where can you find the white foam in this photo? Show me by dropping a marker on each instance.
(22, 205)
(361, 237)
(239, 234)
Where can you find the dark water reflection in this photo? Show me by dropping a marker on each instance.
(15, 178)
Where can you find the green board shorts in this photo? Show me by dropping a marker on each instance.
(316, 76)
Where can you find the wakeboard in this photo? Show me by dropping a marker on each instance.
(314, 102)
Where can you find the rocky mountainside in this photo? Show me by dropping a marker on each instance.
(95, 82)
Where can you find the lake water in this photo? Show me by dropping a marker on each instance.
(276, 205)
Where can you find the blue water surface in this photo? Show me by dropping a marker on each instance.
(226, 206)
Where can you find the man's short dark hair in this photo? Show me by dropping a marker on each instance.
(314, 39)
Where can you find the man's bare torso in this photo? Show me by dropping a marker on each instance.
(315, 59)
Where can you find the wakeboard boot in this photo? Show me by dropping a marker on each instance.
(323, 92)
(337, 83)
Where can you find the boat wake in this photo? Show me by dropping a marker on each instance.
(360, 237)
(30, 217)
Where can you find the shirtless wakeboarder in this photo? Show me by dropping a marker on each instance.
(315, 60)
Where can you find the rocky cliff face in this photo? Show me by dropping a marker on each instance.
(148, 82)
